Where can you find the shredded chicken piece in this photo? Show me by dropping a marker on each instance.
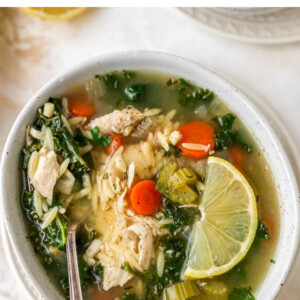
(46, 173)
(119, 121)
(139, 237)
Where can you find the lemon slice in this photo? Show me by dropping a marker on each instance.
(228, 223)
(54, 13)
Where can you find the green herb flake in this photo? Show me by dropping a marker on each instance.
(115, 186)
(241, 294)
(173, 151)
(100, 140)
(262, 231)
(272, 261)
(127, 267)
(190, 95)
(135, 91)
(129, 296)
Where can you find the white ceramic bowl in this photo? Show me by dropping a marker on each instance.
(32, 272)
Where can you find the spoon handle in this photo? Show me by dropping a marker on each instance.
(74, 278)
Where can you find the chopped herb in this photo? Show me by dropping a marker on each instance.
(239, 138)
(115, 186)
(129, 296)
(272, 261)
(127, 267)
(100, 140)
(111, 79)
(173, 151)
(27, 151)
(190, 94)
(128, 74)
(94, 235)
(241, 294)
(135, 91)
(262, 231)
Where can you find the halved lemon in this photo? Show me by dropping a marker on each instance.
(54, 13)
(227, 228)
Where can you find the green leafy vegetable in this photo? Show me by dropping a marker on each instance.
(27, 151)
(190, 94)
(100, 140)
(241, 294)
(262, 230)
(239, 138)
(111, 79)
(128, 74)
(135, 91)
(127, 267)
(93, 235)
(223, 137)
(62, 224)
(129, 296)
(173, 151)
(181, 216)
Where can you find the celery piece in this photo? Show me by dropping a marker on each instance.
(181, 177)
(183, 195)
(182, 291)
(165, 173)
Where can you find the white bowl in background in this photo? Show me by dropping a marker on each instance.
(10, 183)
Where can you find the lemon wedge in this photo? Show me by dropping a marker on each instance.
(227, 228)
(54, 13)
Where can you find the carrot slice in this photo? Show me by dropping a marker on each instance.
(236, 156)
(81, 108)
(200, 133)
(116, 142)
(144, 199)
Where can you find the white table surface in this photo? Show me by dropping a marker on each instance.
(32, 51)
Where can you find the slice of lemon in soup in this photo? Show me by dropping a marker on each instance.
(228, 223)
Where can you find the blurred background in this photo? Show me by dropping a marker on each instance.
(263, 61)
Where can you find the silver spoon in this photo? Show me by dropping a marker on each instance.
(75, 291)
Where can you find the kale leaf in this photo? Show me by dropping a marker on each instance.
(175, 255)
(111, 79)
(100, 140)
(239, 138)
(135, 92)
(190, 94)
(241, 294)
(27, 151)
(223, 137)
(181, 216)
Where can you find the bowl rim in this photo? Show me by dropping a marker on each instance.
(149, 58)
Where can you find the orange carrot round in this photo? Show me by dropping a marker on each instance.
(144, 199)
(81, 108)
(116, 142)
(236, 156)
(197, 132)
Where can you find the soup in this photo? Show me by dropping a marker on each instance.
(183, 201)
